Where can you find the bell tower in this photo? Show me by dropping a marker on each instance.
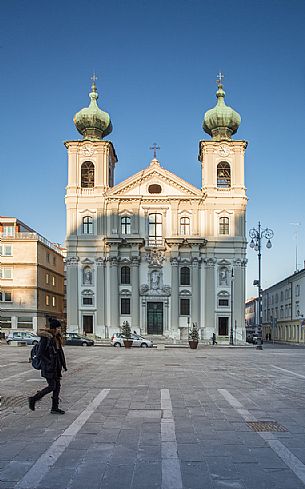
(91, 163)
(222, 164)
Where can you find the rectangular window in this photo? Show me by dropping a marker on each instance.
(125, 225)
(53, 281)
(87, 301)
(6, 297)
(48, 257)
(53, 301)
(47, 278)
(155, 229)
(184, 307)
(47, 300)
(125, 306)
(5, 322)
(54, 260)
(25, 322)
(7, 250)
(223, 302)
(8, 230)
(87, 225)
(6, 273)
(185, 226)
(223, 225)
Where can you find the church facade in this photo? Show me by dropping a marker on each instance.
(155, 250)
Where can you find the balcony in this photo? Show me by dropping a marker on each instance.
(32, 236)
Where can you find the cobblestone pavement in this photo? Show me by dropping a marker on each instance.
(170, 419)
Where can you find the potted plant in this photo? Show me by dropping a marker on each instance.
(126, 331)
(193, 337)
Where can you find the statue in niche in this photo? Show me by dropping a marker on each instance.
(87, 276)
(223, 276)
(155, 279)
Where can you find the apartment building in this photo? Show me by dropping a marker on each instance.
(31, 277)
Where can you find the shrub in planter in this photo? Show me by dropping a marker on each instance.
(194, 337)
(126, 331)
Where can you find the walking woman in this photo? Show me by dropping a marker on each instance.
(52, 362)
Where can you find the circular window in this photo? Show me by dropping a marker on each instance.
(154, 189)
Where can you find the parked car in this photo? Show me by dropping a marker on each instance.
(77, 340)
(26, 336)
(255, 338)
(117, 339)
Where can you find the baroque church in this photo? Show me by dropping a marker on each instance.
(154, 250)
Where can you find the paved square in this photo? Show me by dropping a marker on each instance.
(162, 418)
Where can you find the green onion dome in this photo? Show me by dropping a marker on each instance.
(92, 122)
(222, 121)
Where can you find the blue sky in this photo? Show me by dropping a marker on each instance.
(156, 64)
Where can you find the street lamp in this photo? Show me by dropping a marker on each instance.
(232, 312)
(256, 236)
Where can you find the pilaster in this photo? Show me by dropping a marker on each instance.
(114, 292)
(175, 295)
(135, 298)
(100, 292)
(72, 293)
(195, 292)
(210, 288)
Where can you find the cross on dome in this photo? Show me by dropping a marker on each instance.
(94, 77)
(220, 78)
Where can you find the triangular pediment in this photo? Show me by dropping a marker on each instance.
(154, 178)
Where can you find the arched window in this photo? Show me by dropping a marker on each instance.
(223, 175)
(185, 276)
(125, 275)
(155, 229)
(185, 226)
(87, 225)
(223, 225)
(125, 225)
(87, 174)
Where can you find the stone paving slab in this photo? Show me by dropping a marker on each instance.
(122, 445)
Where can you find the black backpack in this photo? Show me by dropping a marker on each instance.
(35, 357)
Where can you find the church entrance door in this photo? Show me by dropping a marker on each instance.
(155, 318)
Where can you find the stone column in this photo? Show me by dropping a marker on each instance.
(195, 310)
(210, 291)
(174, 296)
(100, 293)
(72, 294)
(114, 293)
(135, 298)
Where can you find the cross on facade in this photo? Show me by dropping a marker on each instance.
(155, 147)
(220, 78)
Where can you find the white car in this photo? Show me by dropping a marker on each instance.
(25, 336)
(117, 339)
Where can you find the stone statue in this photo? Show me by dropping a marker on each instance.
(155, 279)
(223, 276)
(87, 276)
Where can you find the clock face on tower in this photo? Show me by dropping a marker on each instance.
(223, 150)
(88, 150)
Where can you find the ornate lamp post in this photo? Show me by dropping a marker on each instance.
(232, 312)
(256, 236)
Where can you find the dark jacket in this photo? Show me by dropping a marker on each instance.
(52, 357)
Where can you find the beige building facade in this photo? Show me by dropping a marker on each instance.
(154, 249)
(284, 309)
(31, 277)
